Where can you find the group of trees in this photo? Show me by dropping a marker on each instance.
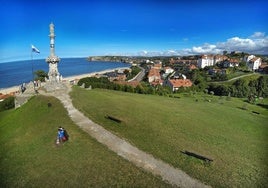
(242, 88)
(104, 83)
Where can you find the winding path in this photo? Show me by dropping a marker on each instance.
(124, 149)
(235, 78)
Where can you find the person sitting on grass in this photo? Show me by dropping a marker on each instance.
(60, 138)
(62, 135)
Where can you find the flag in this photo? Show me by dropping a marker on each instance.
(34, 49)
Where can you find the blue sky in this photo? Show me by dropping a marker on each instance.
(132, 27)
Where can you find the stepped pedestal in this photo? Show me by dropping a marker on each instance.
(53, 86)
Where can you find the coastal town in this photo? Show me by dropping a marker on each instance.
(174, 72)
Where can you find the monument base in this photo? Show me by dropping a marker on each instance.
(54, 86)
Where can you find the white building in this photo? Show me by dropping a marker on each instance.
(254, 63)
(205, 60)
(210, 60)
(168, 70)
(248, 58)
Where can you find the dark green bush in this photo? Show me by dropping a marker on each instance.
(8, 103)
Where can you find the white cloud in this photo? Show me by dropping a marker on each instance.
(255, 44)
(206, 48)
(143, 53)
(258, 35)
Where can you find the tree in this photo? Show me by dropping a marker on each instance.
(126, 71)
(262, 88)
(221, 90)
(139, 89)
(241, 88)
(40, 75)
(242, 64)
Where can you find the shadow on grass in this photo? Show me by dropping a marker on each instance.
(242, 108)
(263, 105)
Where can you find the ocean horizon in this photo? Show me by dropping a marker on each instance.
(17, 72)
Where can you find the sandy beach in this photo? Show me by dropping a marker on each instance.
(68, 79)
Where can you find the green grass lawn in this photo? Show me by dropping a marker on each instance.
(30, 158)
(236, 74)
(234, 138)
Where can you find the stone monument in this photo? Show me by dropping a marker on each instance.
(52, 59)
(54, 78)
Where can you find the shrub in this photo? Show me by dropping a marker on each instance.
(8, 103)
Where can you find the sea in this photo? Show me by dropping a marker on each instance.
(18, 72)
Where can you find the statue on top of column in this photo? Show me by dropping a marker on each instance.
(51, 26)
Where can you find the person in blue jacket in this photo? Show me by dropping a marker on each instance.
(60, 134)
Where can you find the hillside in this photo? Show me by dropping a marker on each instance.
(30, 158)
(224, 129)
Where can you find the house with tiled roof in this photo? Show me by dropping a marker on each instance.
(191, 67)
(263, 68)
(158, 66)
(154, 76)
(219, 58)
(175, 84)
(231, 62)
(112, 76)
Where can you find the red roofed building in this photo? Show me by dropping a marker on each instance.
(154, 76)
(175, 84)
(191, 67)
(157, 66)
(4, 96)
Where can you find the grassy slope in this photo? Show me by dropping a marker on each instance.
(236, 139)
(30, 158)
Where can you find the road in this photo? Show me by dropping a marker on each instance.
(139, 76)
